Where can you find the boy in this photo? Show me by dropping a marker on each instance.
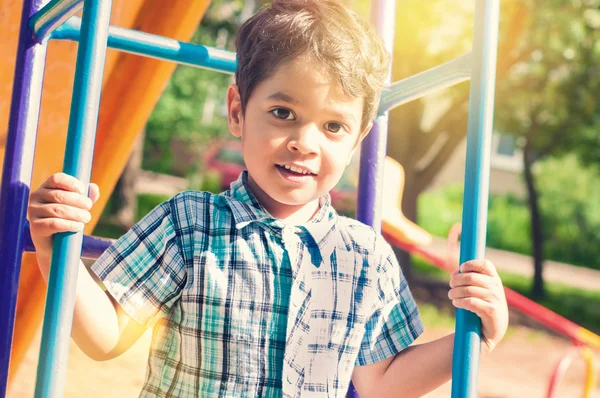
(263, 290)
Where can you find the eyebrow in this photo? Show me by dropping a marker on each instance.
(345, 116)
(279, 96)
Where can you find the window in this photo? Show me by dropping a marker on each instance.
(506, 145)
(506, 155)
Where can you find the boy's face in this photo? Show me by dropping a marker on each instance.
(298, 133)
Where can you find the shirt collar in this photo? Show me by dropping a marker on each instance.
(246, 209)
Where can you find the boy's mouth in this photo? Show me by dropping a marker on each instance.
(295, 170)
(295, 174)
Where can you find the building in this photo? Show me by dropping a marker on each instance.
(506, 173)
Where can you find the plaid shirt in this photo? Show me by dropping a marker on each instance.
(243, 305)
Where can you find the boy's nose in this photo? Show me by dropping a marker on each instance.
(304, 141)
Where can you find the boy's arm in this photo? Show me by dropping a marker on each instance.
(413, 372)
(62, 204)
(416, 370)
(101, 329)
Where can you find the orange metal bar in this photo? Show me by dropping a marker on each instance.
(132, 87)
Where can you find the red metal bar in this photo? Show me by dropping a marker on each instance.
(517, 301)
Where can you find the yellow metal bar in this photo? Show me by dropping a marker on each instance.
(590, 380)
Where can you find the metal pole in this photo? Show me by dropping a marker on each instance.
(155, 46)
(62, 281)
(52, 16)
(467, 343)
(373, 150)
(16, 175)
(92, 248)
(442, 76)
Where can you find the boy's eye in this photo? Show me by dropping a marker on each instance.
(334, 127)
(283, 114)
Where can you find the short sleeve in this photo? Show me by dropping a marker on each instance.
(144, 271)
(396, 322)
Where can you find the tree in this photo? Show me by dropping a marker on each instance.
(428, 34)
(124, 201)
(550, 99)
(179, 129)
(545, 88)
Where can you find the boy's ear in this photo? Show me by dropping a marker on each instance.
(235, 118)
(361, 137)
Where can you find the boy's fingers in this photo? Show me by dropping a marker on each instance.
(64, 212)
(470, 291)
(481, 266)
(94, 192)
(480, 307)
(471, 279)
(65, 182)
(67, 198)
(51, 226)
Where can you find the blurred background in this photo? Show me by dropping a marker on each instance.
(544, 210)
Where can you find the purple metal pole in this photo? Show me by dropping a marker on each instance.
(16, 174)
(370, 177)
(93, 246)
(372, 156)
(373, 150)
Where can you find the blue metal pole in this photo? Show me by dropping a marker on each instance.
(155, 46)
(16, 175)
(373, 149)
(467, 343)
(52, 16)
(62, 281)
(442, 76)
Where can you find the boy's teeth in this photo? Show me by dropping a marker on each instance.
(296, 169)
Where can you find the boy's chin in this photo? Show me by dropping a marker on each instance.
(296, 198)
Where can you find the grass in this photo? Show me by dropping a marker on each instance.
(579, 306)
(433, 317)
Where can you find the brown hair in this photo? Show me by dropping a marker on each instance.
(344, 45)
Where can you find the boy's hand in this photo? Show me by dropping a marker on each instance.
(478, 288)
(61, 204)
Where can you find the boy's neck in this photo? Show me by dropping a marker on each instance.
(291, 214)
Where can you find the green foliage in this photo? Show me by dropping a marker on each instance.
(508, 224)
(433, 317)
(178, 130)
(508, 218)
(207, 182)
(145, 203)
(550, 95)
(106, 230)
(571, 211)
(579, 306)
(568, 204)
